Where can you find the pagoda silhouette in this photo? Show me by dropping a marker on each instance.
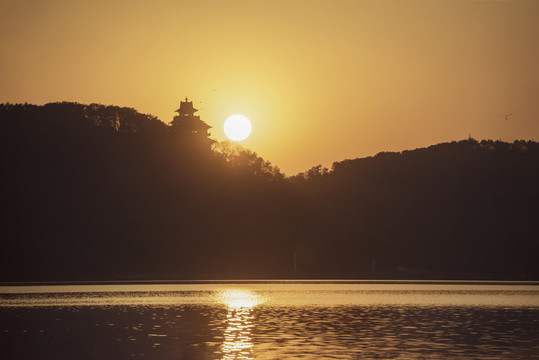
(188, 127)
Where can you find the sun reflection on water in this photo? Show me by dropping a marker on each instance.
(237, 342)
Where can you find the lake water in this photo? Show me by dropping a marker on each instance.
(271, 320)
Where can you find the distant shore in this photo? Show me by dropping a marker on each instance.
(272, 281)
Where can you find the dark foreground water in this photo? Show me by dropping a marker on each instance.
(270, 321)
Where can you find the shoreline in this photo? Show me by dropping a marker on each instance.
(269, 281)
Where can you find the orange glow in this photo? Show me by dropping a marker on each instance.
(320, 80)
(237, 342)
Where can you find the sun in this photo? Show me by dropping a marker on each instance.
(237, 127)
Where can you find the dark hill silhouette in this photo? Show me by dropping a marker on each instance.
(464, 207)
(104, 192)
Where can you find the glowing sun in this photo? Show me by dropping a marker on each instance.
(237, 127)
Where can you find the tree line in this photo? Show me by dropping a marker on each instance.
(105, 192)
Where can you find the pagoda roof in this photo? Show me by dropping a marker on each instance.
(190, 122)
(186, 107)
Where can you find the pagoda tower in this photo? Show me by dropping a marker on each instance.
(189, 128)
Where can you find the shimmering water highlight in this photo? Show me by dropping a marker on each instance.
(270, 321)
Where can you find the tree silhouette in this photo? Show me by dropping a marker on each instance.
(105, 192)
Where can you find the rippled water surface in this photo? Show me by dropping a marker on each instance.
(273, 320)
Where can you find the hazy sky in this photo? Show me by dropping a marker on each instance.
(321, 81)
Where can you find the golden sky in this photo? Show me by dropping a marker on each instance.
(321, 80)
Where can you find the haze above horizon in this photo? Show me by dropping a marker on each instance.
(321, 81)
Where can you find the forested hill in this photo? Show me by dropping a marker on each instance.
(104, 192)
(467, 206)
